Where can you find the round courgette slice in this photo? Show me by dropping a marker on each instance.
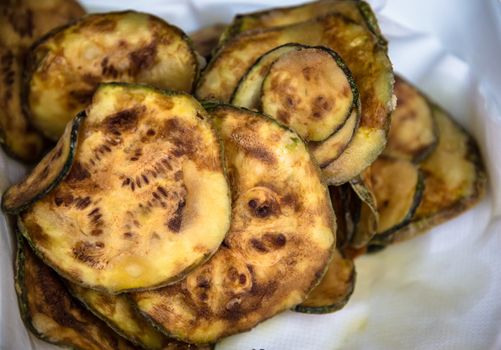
(309, 90)
(398, 187)
(65, 67)
(50, 313)
(51, 170)
(248, 92)
(279, 244)
(368, 62)
(334, 290)
(146, 199)
(22, 23)
(413, 133)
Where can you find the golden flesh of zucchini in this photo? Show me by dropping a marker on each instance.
(206, 39)
(412, 133)
(146, 199)
(398, 187)
(47, 174)
(358, 11)
(310, 91)
(368, 62)
(22, 22)
(334, 290)
(248, 92)
(50, 312)
(118, 312)
(454, 178)
(279, 244)
(327, 151)
(66, 66)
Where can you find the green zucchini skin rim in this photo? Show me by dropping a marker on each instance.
(173, 279)
(363, 7)
(77, 122)
(347, 73)
(210, 105)
(30, 63)
(327, 309)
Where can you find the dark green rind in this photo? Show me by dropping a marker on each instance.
(318, 310)
(77, 121)
(371, 22)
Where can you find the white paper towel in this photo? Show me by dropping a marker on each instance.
(438, 291)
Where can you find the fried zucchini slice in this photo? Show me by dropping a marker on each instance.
(147, 192)
(118, 312)
(454, 178)
(398, 186)
(280, 241)
(412, 133)
(368, 222)
(357, 11)
(248, 91)
(66, 66)
(309, 90)
(51, 170)
(50, 313)
(334, 290)
(248, 95)
(205, 40)
(368, 62)
(24, 21)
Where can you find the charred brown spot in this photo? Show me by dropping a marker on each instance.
(107, 69)
(82, 96)
(88, 253)
(283, 116)
(307, 72)
(277, 240)
(150, 132)
(175, 222)
(262, 209)
(82, 203)
(125, 120)
(142, 58)
(258, 245)
(105, 25)
(77, 173)
(320, 105)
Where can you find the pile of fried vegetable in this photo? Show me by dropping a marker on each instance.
(176, 202)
